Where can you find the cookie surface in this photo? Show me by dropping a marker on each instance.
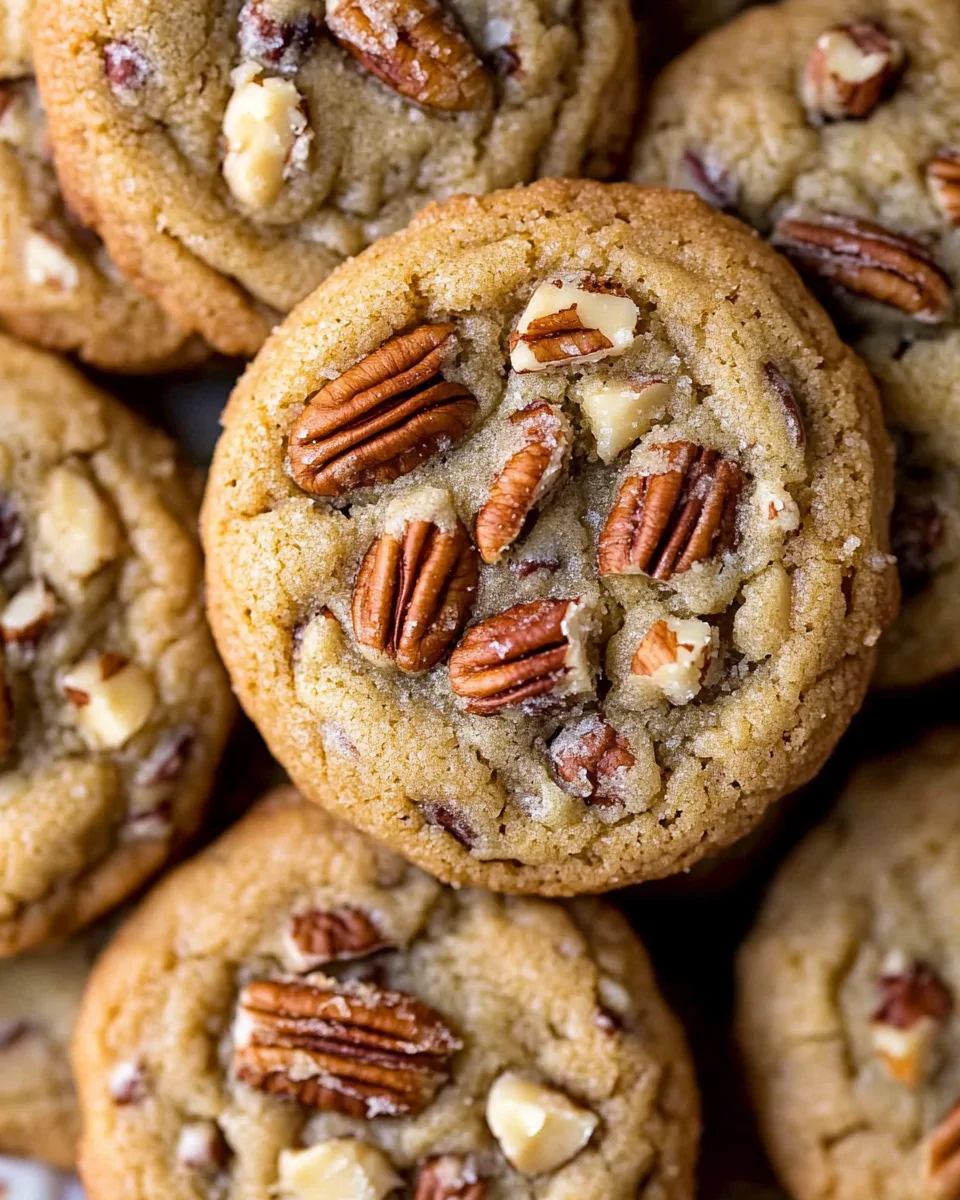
(317, 129)
(500, 1003)
(114, 707)
(58, 286)
(837, 139)
(462, 428)
(848, 985)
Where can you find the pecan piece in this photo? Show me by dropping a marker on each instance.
(449, 1177)
(917, 532)
(534, 655)
(416, 48)
(662, 525)
(943, 179)
(527, 478)
(282, 44)
(673, 656)
(589, 760)
(126, 67)
(851, 69)
(341, 1047)
(868, 261)
(333, 935)
(565, 323)
(788, 402)
(28, 614)
(710, 181)
(381, 418)
(941, 1155)
(914, 1005)
(417, 583)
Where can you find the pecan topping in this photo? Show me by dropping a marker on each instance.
(917, 532)
(11, 529)
(531, 655)
(565, 323)
(415, 47)
(125, 66)
(914, 1004)
(711, 182)
(334, 935)
(277, 43)
(943, 178)
(350, 1048)
(589, 760)
(661, 525)
(415, 589)
(673, 656)
(526, 479)
(788, 402)
(942, 1157)
(851, 69)
(382, 418)
(559, 336)
(452, 821)
(166, 760)
(868, 261)
(449, 1177)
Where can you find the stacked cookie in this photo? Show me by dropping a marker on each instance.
(548, 547)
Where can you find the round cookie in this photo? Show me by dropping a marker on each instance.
(835, 133)
(847, 1008)
(610, 431)
(316, 129)
(58, 286)
(113, 707)
(299, 1012)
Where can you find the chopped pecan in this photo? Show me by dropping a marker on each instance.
(341, 1047)
(128, 1083)
(662, 525)
(560, 336)
(917, 533)
(788, 402)
(282, 44)
(449, 1177)
(527, 478)
(126, 66)
(11, 529)
(565, 323)
(524, 567)
(590, 759)
(415, 589)
(673, 656)
(202, 1147)
(942, 1157)
(382, 418)
(169, 756)
(415, 47)
(943, 178)
(451, 820)
(868, 261)
(915, 1003)
(320, 936)
(533, 655)
(709, 180)
(851, 69)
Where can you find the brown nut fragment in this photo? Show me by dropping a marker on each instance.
(917, 533)
(126, 67)
(673, 656)
(915, 1004)
(334, 935)
(941, 1157)
(415, 47)
(851, 69)
(449, 1177)
(381, 418)
(571, 324)
(590, 760)
(788, 402)
(868, 261)
(201, 1147)
(710, 181)
(128, 1083)
(341, 1047)
(169, 756)
(943, 179)
(417, 583)
(282, 44)
(662, 525)
(533, 655)
(27, 616)
(527, 478)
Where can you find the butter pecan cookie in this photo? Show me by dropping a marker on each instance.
(232, 154)
(849, 988)
(834, 130)
(300, 1013)
(113, 705)
(58, 286)
(553, 529)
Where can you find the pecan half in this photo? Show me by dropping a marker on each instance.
(917, 532)
(851, 69)
(415, 47)
(941, 1157)
(415, 590)
(788, 402)
(589, 760)
(661, 525)
(449, 1177)
(382, 418)
(915, 1003)
(533, 655)
(527, 478)
(868, 261)
(943, 179)
(320, 936)
(341, 1047)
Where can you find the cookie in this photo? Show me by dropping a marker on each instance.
(834, 130)
(231, 155)
(40, 996)
(299, 1012)
(58, 286)
(847, 1008)
(113, 705)
(553, 529)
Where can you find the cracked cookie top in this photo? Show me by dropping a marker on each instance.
(553, 529)
(834, 130)
(113, 704)
(58, 286)
(848, 990)
(232, 154)
(301, 1013)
